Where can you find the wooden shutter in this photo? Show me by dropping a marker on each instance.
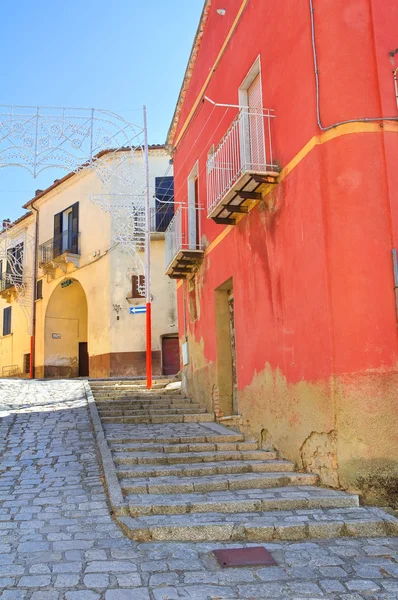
(57, 243)
(75, 228)
(7, 321)
(39, 289)
(135, 289)
(1, 270)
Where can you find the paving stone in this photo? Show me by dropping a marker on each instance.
(66, 580)
(82, 595)
(34, 581)
(362, 585)
(129, 580)
(163, 579)
(50, 595)
(96, 581)
(166, 593)
(52, 505)
(136, 594)
(13, 595)
(111, 567)
(332, 585)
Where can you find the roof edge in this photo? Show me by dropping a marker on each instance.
(100, 154)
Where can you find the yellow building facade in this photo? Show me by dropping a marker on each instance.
(85, 286)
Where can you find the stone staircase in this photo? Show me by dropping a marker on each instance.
(187, 478)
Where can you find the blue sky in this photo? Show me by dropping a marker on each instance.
(92, 53)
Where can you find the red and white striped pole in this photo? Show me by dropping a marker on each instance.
(148, 261)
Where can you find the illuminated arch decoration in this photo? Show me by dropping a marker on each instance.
(74, 139)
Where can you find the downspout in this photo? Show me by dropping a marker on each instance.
(33, 336)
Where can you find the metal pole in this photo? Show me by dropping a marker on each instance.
(147, 261)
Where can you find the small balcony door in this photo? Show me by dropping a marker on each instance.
(253, 149)
(256, 125)
(67, 230)
(193, 210)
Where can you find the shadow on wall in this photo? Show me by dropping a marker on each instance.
(65, 332)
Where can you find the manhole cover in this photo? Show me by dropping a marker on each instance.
(244, 557)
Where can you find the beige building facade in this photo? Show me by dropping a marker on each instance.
(86, 284)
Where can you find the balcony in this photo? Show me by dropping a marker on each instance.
(184, 252)
(241, 163)
(61, 250)
(161, 217)
(8, 283)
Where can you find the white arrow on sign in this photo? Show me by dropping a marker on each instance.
(136, 310)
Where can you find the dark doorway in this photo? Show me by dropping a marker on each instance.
(226, 349)
(83, 359)
(170, 356)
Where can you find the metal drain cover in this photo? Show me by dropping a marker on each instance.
(244, 557)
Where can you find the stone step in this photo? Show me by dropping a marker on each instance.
(183, 448)
(122, 404)
(194, 418)
(206, 469)
(126, 401)
(135, 394)
(231, 438)
(162, 458)
(162, 381)
(261, 527)
(150, 411)
(241, 501)
(218, 483)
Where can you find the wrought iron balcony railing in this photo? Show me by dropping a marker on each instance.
(245, 152)
(161, 217)
(184, 249)
(8, 280)
(64, 243)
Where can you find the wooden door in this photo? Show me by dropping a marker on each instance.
(170, 356)
(83, 359)
(231, 311)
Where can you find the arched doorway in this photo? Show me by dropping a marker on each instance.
(65, 332)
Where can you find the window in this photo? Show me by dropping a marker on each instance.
(136, 284)
(14, 269)
(7, 321)
(164, 202)
(26, 363)
(66, 231)
(1, 270)
(39, 289)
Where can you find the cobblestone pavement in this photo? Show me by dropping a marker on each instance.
(58, 540)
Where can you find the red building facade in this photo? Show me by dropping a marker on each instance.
(285, 151)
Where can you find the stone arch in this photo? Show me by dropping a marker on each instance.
(66, 331)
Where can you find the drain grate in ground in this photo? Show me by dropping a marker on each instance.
(245, 557)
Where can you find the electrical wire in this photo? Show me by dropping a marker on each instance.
(317, 85)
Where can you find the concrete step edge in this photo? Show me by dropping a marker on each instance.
(163, 458)
(240, 481)
(175, 449)
(164, 418)
(238, 438)
(142, 530)
(235, 505)
(206, 469)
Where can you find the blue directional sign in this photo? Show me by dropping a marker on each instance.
(137, 310)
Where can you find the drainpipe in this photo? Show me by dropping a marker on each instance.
(33, 336)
